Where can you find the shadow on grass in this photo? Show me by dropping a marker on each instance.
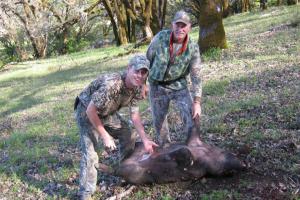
(43, 163)
(265, 100)
(263, 111)
(227, 101)
(56, 153)
(42, 84)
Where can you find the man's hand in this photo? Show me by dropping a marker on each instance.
(91, 112)
(196, 109)
(109, 142)
(149, 145)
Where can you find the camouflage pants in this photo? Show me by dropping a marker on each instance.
(160, 98)
(117, 127)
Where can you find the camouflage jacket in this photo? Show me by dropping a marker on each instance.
(109, 93)
(173, 74)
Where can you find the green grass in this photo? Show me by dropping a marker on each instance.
(220, 195)
(216, 88)
(249, 95)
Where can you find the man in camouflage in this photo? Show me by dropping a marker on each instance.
(97, 118)
(173, 56)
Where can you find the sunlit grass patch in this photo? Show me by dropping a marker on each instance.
(218, 127)
(64, 173)
(215, 88)
(255, 136)
(273, 134)
(212, 54)
(246, 123)
(244, 104)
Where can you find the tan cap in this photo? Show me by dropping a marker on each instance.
(182, 16)
(139, 62)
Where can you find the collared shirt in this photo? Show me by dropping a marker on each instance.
(109, 93)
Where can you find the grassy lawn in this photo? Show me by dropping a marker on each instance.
(251, 106)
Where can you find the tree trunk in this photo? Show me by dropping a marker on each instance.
(163, 14)
(159, 9)
(64, 47)
(292, 2)
(279, 2)
(109, 10)
(147, 32)
(155, 17)
(133, 35)
(246, 5)
(263, 4)
(212, 33)
(121, 16)
(225, 8)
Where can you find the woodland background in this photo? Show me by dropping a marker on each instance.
(51, 49)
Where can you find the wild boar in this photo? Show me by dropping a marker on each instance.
(177, 162)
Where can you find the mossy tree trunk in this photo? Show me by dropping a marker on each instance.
(109, 10)
(225, 8)
(122, 18)
(292, 2)
(263, 4)
(246, 5)
(140, 13)
(147, 31)
(212, 33)
(159, 9)
(279, 2)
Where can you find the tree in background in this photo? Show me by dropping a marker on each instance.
(239, 6)
(225, 8)
(128, 15)
(11, 38)
(38, 28)
(210, 20)
(159, 11)
(292, 2)
(71, 21)
(263, 4)
(33, 18)
(140, 13)
(246, 5)
(46, 24)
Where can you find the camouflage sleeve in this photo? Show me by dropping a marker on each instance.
(101, 97)
(152, 49)
(107, 87)
(195, 67)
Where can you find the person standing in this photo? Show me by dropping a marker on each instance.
(173, 56)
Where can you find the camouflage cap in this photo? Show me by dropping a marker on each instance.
(182, 16)
(139, 62)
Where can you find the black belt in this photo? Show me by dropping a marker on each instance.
(167, 82)
(77, 100)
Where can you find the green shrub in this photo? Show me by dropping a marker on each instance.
(73, 45)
